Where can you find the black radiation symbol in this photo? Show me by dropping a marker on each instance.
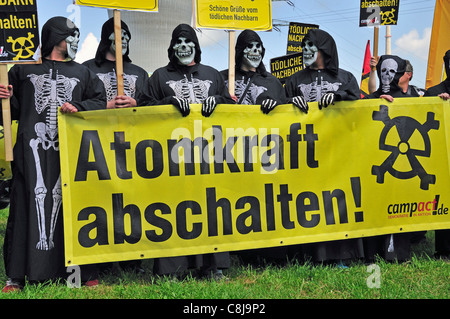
(406, 127)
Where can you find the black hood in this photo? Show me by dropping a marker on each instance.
(447, 65)
(243, 40)
(54, 31)
(325, 43)
(401, 69)
(105, 42)
(185, 31)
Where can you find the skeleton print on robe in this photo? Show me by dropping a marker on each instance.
(194, 83)
(134, 77)
(390, 69)
(34, 244)
(313, 84)
(254, 87)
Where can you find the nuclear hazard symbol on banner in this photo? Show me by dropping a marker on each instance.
(406, 128)
(22, 46)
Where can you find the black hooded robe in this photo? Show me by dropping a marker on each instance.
(442, 237)
(204, 81)
(252, 88)
(312, 85)
(34, 239)
(134, 77)
(392, 246)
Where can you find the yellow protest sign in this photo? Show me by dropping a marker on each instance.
(233, 14)
(138, 5)
(147, 182)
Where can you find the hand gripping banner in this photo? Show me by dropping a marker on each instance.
(146, 182)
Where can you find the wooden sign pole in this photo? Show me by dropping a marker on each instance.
(375, 43)
(119, 57)
(6, 112)
(231, 61)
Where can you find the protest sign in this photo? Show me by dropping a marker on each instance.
(233, 14)
(283, 67)
(296, 33)
(137, 5)
(378, 12)
(146, 182)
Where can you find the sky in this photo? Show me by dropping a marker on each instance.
(410, 37)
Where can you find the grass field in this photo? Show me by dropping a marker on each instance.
(423, 277)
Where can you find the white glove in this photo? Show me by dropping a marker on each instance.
(182, 104)
(208, 106)
(300, 102)
(268, 105)
(327, 99)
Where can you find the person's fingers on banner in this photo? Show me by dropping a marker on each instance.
(300, 102)
(327, 99)
(268, 105)
(182, 104)
(208, 106)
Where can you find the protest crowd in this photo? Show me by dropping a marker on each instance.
(59, 84)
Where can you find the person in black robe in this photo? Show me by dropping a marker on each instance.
(442, 237)
(134, 84)
(183, 81)
(34, 240)
(391, 247)
(253, 84)
(321, 80)
(104, 65)
(324, 82)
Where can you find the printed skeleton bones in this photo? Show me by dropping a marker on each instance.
(51, 91)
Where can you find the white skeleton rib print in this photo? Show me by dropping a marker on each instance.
(196, 91)
(252, 93)
(110, 82)
(51, 91)
(315, 90)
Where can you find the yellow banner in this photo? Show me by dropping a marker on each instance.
(138, 5)
(147, 182)
(234, 14)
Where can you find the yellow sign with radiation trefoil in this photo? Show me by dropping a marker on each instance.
(138, 5)
(147, 182)
(234, 14)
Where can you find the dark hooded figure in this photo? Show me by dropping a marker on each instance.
(390, 69)
(34, 246)
(185, 80)
(104, 65)
(321, 80)
(253, 84)
(442, 237)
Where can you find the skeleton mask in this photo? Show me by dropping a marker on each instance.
(184, 51)
(253, 54)
(125, 41)
(309, 53)
(388, 69)
(72, 44)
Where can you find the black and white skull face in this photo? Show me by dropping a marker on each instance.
(310, 52)
(388, 69)
(125, 41)
(72, 44)
(184, 50)
(253, 54)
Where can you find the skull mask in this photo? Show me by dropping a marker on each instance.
(310, 52)
(184, 50)
(253, 54)
(125, 40)
(388, 69)
(72, 44)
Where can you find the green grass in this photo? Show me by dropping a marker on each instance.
(423, 277)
